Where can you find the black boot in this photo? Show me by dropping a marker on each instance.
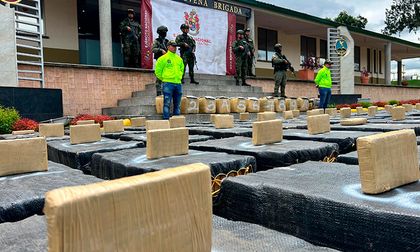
(193, 81)
(237, 82)
(245, 84)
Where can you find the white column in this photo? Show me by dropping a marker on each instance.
(387, 63)
(105, 30)
(250, 23)
(8, 52)
(347, 64)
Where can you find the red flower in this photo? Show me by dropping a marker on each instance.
(25, 124)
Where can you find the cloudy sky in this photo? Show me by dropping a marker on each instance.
(373, 10)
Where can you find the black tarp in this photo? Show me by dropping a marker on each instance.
(268, 156)
(323, 204)
(22, 195)
(78, 156)
(384, 127)
(118, 135)
(131, 162)
(14, 137)
(143, 138)
(351, 158)
(221, 133)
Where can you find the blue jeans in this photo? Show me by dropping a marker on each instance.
(171, 91)
(324, 97)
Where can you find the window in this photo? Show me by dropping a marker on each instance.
(266, 41)
(307, 47)
(380, 62)
(357, 58)
(368, 61)
(375, 63)
(323, 53)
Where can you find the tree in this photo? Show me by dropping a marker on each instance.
(348, 20)
(403, 14)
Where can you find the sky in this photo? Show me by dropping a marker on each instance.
(373, 10)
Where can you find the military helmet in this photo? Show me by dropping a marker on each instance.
(278, 45)
(248, 30)
(184, 26)
(162, 28)
(240, 32)
(130, 11)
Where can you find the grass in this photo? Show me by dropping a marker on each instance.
(411, 83)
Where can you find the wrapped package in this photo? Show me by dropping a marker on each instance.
(267, 132)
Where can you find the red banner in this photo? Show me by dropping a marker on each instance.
(230, 57)
(147, 34)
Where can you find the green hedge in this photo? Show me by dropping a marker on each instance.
(8, 116)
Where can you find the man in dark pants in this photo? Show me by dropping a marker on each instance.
(187, 50)
(323, 82)
(130, 31)
(281, 64)
(250, 42)
(159, 48)
(241, 50)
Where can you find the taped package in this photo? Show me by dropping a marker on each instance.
(360, 111)
(287, 114)
(167, 210)
(189, 105)
(303, 104)
(408, 107)
(417, 106)
(388, 108)
(266, 116)
(252, 105)
(353, 121)
(238, 105)
(159, 104)
(166, 143)
(222, 105)
(398, 113)
(314, 112)
(267, 132)
(244, 116)
(223, 121)
(212, 117)
(207, 105)
(51, 129)
(345, 112)
(112, 126)
(267, 104)
(88, 133)
(291, 104)
(387, 160)
(138, 121)
(319, 124)
(157, 124)
(331, 111)
(177, 122)
(23, 132)
(372, 110)
(296, 113)
(84, 122)
(279, 104)
(23, 155)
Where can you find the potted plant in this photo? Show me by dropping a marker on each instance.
(404, 83)
(364, 76)
(308, 67)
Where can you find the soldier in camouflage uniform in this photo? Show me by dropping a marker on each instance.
(159, 48)
(130, 31)
(281, 64)
(241, 50)
(252, 51)
(187, 50)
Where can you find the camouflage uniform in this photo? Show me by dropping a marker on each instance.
(250, 61)
(280, 64)
(187, 53)
(130, 42)
(241, 56)
(161, 43)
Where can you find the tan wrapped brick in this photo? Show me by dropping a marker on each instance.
(314, 112)
(84, 122)
(287, 114)
(51, 129)
(302, 104)
(267, 132)
(166, 142)
(398, 113)
(291, 104)
(252, 105)
(372, 110)
(353, 121)
(296, 113)
(157, 124)
(212, 117)
(266, 116)
(319, 124)
(177, 122)
(189, 105)
(238, 105)
(279, 104)
(159, 104)
(408, 107)
(168, 210)
(138, 122)
(222, 105)
(387, 160)
(223, 121)
(331, 111)
(244, 116)
(417, 106)
(207, 105)
(112, 126)
(88, 133)
(23, 132)
(267, 104)
(360, 111)
(23, 155)
(388, 108)
(345, 112)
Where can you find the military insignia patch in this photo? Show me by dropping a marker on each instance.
(193, 21)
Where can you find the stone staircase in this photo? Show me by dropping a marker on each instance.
(142, 103)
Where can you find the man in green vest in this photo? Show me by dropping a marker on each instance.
(323, 82)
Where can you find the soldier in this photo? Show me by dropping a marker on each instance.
(159, 48)
(241, 50)
(187, 50)
(252, 51)
(130, 32)
(281, 64)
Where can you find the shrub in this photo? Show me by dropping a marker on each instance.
(101, 118)
(380, 104)
(331, 105)
(413, 102)
(25, 124)
(8, 116)
(98, 118)
(355, 105)
(394, 102)
(366, 104)
(339, 106)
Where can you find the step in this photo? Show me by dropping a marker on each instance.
(224, 88)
